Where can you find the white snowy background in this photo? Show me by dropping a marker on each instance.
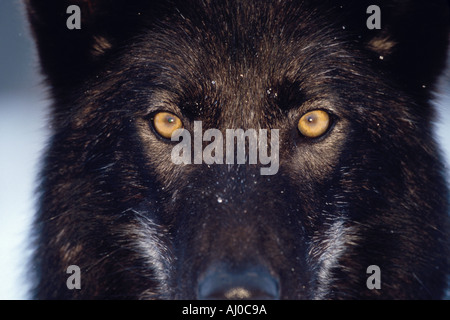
(23, 134)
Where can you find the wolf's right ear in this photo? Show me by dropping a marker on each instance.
(67, 53)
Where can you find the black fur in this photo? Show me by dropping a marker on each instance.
(370, 192)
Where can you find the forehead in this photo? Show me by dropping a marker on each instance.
(241, 36)
(239, 56)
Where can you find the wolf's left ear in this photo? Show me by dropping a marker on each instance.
(412, 39)
(73, 35)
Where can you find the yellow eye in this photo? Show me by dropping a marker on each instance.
(166, 123)
(314, 124)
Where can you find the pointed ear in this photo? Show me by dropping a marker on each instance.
(412, 41)
(67, 54)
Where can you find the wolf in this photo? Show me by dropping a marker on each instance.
(358, 208)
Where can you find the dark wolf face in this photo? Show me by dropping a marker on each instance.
(358, 180)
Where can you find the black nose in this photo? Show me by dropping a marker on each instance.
(254, 283)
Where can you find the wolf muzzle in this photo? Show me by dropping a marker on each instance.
(252, 283)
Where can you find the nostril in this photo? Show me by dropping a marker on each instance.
(254, 283)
